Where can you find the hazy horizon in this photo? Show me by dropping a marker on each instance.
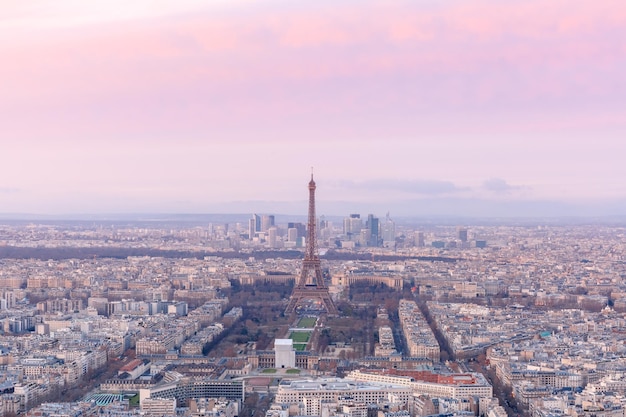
(422, 210)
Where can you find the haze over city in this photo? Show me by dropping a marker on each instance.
(482, 108)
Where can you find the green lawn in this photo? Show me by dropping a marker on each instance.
(134, 400)
(300, 337)
(292, 371)
(307, 322)
(299, 347)
(269, 371)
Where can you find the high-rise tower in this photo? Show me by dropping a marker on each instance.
(311, 285)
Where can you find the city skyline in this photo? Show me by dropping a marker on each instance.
(478, 109)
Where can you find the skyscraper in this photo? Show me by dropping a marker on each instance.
(373, 226)
(462, 234)
(251, 228)
(419, 239)
(272, 237)
(267, 221)
(257, 222)
(301, 228)
(352, 226)
(389, 232)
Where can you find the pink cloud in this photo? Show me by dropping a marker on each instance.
(217, 71)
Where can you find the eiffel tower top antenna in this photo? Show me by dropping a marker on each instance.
(311, 241)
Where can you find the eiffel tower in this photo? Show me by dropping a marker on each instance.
(311, 285)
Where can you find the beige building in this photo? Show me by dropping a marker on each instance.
(312, 394)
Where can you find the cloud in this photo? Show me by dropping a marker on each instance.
(8, 190)
(420, 187)
(220, 65)
(500, 186)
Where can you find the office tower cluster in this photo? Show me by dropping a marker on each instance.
(371, 233)
(354, 231)
(263, 230)
(260, 224)
(459, 238)
(357, 232)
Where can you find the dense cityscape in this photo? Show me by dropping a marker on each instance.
(464, 255)
(402, 319)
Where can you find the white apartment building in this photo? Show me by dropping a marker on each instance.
(313, 393)
(455, 389)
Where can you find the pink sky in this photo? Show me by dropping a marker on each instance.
(186, 106)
